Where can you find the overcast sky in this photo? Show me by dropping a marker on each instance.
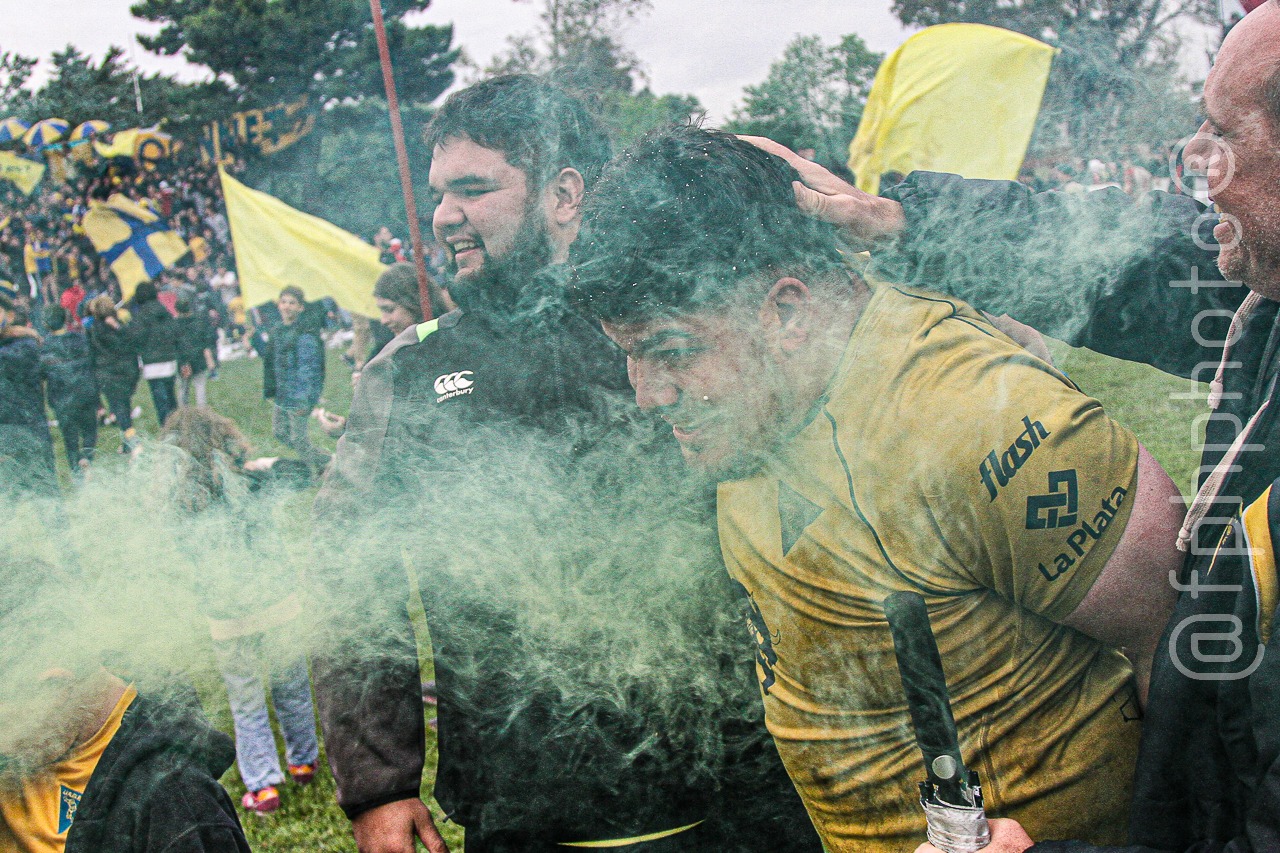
(710, 48)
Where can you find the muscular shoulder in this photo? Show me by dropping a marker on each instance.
(928, 376)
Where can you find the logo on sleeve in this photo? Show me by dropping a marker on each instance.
(1058, 508)
(68, 801)
(1083, 535)
(997, 469)
(450, 385)
(766, 657)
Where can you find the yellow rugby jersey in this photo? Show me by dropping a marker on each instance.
(943, 459)
(37, 812)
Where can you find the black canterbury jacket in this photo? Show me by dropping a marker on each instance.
(594, 677)
(1127, 278)
(155, 789)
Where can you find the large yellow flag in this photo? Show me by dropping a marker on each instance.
(277, 246)
(136, 242)
(959, 98)
(24, 173)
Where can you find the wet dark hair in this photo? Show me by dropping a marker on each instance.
(538, 127)
(682, 218)
(296, 293)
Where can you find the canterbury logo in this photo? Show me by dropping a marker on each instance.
(454, 384)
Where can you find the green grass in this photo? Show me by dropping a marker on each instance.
(309, 819)
(1160, 409)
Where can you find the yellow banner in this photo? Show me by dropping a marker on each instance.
(959, 98)
(146, 143)
(277, 246)
(269, 130)
(23, 173)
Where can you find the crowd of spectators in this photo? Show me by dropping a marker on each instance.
(46, 257)
(1135, 169)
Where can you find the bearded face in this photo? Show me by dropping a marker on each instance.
(492, 223)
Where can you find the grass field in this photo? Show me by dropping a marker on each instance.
(1160, 409)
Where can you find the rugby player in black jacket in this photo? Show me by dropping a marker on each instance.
(593, 670)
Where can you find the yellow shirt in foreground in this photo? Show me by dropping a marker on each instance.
(36, 813)
(946, 460)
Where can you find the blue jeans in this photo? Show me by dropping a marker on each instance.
(242, 662)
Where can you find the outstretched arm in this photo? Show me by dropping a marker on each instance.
(1134, 278)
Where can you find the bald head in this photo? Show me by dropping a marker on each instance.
(1271, 88)
(1250, 58)
(1239, 146)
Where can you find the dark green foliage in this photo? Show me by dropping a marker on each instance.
(628, 117)
(345, 170)
(576, 46)
(15, 71)
(277, 50)
(79, 89)
(812, 98)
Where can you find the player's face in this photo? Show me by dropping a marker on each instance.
(1239, 148)
(481, 204)
(712, 377)
(393, 315)
(290, 308)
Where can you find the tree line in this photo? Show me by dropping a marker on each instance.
(1114, 83)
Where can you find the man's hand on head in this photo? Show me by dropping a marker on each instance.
(1007, 836)
(392, 828)
(866, 220)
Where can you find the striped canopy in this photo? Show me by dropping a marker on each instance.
(92, 127)
(44, 132)
(12, 128)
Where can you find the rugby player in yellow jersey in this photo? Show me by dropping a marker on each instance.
(870, 439)
(86, 764)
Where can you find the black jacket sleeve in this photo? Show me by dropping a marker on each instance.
(366, 678)
(197, 818)
(268, 370)
(1132, 278)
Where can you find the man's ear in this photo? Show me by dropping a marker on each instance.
(567, 188)
(788, 313)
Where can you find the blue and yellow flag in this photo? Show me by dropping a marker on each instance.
(136, 242)
(959, 98)
(24, 173)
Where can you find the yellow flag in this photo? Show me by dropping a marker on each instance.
(959, 98)
(122, 144)
(136, 242)
(277, 246)
(145, 143)
(24, 173)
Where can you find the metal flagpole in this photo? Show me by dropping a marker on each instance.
(402, 159)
